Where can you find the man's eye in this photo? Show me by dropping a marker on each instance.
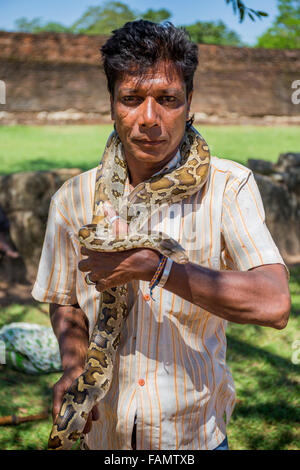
(168, 99)
(130, 99)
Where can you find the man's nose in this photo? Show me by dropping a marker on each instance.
(149, 116)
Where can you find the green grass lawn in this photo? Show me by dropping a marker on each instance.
(267, 413)
(27, 148)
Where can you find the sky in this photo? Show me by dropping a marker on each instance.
(183, 12)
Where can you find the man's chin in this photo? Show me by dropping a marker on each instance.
(149, 153)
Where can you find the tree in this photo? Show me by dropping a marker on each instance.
(285, 31)
(213, 33)
(36, 26)
(239, 7)
(103, 19)
(157, 16)
(27, 26)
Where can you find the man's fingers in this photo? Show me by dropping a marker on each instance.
(95, 413)
(101, 285)
(88, 424)
(58, 394)
(84, 265)
(55, 411)
(85, 251)
(93, 416)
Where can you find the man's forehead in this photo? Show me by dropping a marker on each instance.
(165, 78)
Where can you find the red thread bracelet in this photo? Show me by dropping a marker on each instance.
(156, 277)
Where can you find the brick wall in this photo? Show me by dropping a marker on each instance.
(55, 72)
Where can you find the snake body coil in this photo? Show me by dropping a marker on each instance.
(166, 188)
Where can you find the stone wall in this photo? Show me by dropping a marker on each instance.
(279, 185)
(25, 199)
(58, 78)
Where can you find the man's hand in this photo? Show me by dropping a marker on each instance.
(70, 326)
(61, 387)
(115, 269)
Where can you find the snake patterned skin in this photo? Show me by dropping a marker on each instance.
(165, 188)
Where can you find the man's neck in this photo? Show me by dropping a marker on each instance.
(141, 172)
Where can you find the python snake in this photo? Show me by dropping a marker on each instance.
(167, 187)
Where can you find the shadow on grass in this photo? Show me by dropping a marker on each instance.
(295, 311)
(243, 350)
(13, 383)
(283, 440)
(268, 426)
(21, 395)
(266, 412)
(281, 412)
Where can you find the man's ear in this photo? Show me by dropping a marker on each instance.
(112, 112)
(189, 100)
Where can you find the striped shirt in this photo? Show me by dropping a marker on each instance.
(170, 369)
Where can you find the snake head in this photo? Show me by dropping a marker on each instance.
(171, 248)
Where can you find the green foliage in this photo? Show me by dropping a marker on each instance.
(285, 31)
(27, 26)
(111, 15)
(213, 33)
(157, 16)
(36, 26)
(103, 19)
(240, 8)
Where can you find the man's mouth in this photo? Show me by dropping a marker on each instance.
(148, 142)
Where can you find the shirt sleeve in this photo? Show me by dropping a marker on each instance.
(56, 277)
(247, 238)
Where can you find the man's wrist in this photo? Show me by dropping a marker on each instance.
(148, 264)
(70, 360)
(73, 371)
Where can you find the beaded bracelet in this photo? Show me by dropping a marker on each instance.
(165, 274)
(155, 280)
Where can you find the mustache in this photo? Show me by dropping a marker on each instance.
(146, 139)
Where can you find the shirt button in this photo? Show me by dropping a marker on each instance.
(147, 297)
(141, 382)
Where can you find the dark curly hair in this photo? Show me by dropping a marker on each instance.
(141, 44)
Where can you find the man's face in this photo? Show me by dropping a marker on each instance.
(150, 114)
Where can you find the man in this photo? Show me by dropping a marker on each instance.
(170, 375)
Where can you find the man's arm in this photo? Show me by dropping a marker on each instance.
(70, 326)
(260, 296)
